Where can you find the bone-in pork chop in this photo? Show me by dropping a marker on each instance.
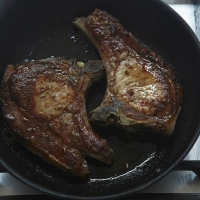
(142, 91)
(44, 104)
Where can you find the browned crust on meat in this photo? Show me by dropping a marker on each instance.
(43, 104)
(142, 91)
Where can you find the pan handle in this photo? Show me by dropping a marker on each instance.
(189, 165)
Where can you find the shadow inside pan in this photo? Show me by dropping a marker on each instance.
(37, 29)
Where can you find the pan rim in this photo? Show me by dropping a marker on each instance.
(128, 192)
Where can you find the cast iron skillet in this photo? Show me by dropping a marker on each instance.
(38, 29)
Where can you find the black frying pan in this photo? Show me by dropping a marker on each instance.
(37, 29)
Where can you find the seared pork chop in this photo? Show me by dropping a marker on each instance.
(142, 91)
(43, 103)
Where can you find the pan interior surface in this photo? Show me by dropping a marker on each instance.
(35, 29)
